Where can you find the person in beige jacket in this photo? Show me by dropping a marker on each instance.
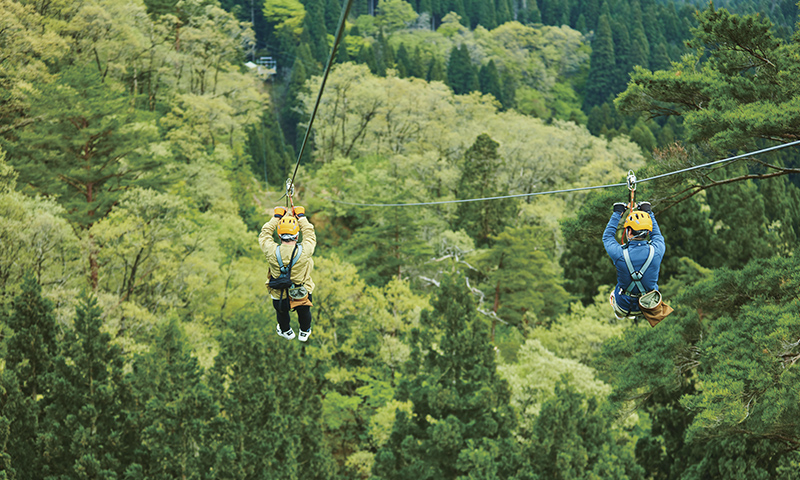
(298, 296)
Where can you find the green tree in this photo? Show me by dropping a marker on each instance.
(403, 61)
(572, 438)
(91, 148)
(482, 220)
(81, 430)
(394, 15)
(721, 377)
(745, 56)
(601, 81)
(291, 115)
(489, 81)
(522, 278)
(462, 423)
(461, 74)
(270, 423)
(314, 33)
(30, 351)
(172, 410)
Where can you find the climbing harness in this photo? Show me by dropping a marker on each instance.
(284, 281)
(636, 275)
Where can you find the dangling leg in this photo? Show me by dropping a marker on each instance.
(304, 318)
(284, 326)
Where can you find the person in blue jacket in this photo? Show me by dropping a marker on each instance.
(638, 262)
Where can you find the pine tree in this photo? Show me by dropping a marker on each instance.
(333, 10)
(462, 422)
(532, 13)
(19, 457)
(573, 439)
(622, 55)
(436, 71)
(503, 11)
(640, 49)
(461, 74)
(291, 114)
(270, 423)
(28, 376)
(490, 81)
(416, 65)
(482, 220)
(601, 81)
(314, 33)
(591, 10)
(660, 58)
(172, 410)
(82, 425)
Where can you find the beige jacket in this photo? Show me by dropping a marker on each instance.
(301, 271)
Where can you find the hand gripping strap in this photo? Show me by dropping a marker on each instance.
(636, 276)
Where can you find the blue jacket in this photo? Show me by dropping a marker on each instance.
(638, 252)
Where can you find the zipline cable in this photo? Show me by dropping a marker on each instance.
(336, 41)
(597, 187)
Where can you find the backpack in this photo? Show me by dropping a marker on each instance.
(284, 280)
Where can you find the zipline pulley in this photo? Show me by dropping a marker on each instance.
(289, 192)
(631, 181)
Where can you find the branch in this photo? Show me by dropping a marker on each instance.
(20, 124)
(699, 188)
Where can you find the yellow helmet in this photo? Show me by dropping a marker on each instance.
(639, 221)
(288, 226)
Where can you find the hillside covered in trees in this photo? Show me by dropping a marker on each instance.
(144, 143)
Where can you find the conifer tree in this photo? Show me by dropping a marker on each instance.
(81, 431)
(640, 49)
(482, 220)
(503, 11)
(333, 10)
(32, 346)
(28, 376)
(403, 62)
(532, 13)
(172, 409)
(416, 64)
(490, 81)
(573, 439)
(270, 423)
(291, 114)
(314, 33)
(622, 55)
(19, 457)
(436, 71)
(659, 60)
(591, 10)
(462, 423)
(461, 74)
(602, 79)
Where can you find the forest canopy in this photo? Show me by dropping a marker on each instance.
(143, 145)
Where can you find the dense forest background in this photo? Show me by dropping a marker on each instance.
(143, 143)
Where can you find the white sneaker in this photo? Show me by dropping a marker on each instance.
(304, 335)
(287, 335)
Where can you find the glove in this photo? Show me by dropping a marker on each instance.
(644, 206)
(299, 212)
(620, 207)
(279, 212)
